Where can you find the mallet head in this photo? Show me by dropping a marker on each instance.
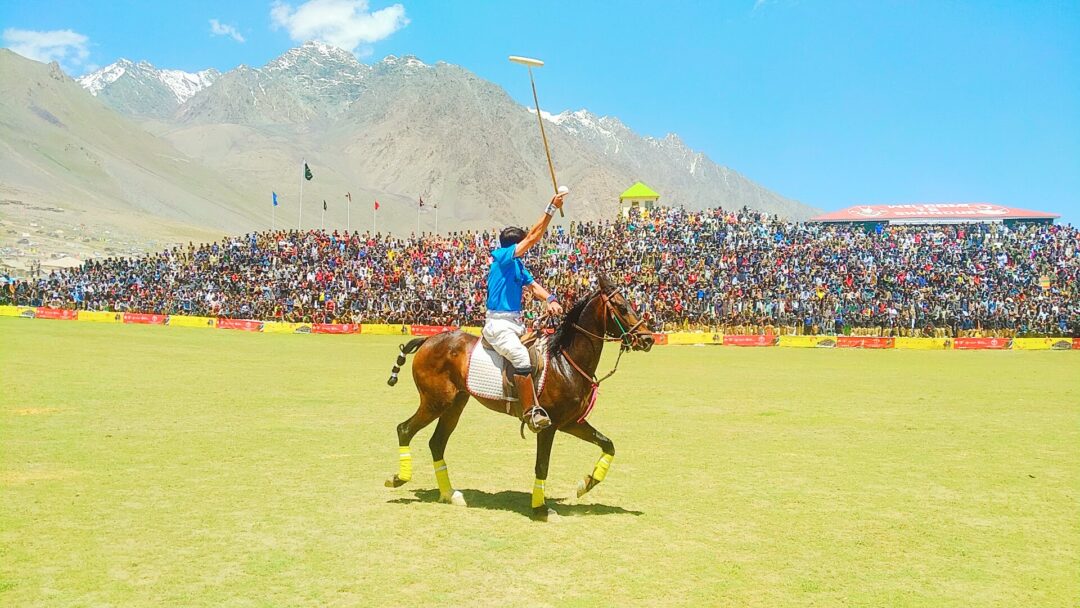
(529, 61)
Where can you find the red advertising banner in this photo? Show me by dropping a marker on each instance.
(430, 330)
(864, 342)
(335, 328)
(982, 343)
(144, 319)
(55, 313)
(659, 339)
(241, 324)
(759, 340)
(1076, 344)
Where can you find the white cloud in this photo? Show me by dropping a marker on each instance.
(347, 24)
(218, 28)
(66, 47)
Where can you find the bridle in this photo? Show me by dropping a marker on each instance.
(628, 337)
(627, 340)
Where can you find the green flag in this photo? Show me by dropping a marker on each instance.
(307, 173)
(324, 205)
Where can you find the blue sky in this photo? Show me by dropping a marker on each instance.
(831, 103)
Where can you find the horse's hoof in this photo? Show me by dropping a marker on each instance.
(395, 482)
(456, 499)
(545, 514)
(584, 485)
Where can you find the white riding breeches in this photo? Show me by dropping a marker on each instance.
(503, 331)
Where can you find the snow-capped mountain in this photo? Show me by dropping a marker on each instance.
(400, 127)
(141, 89)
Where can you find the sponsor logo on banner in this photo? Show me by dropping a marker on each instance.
(864, 342)
(982, 343)
(430, 330)
(55, 313)
(240, 324)
(758, 340)
(334, 328)
(1062, 344)
(302, 329)
(659, 339)
(826, 343)
(27, 313)
(144, 319)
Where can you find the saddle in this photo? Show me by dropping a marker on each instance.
(536, 364)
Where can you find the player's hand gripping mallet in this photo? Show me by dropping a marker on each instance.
(536, 63)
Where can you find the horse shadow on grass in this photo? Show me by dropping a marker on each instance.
(515, 501)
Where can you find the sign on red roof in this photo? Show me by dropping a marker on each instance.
(928, 212)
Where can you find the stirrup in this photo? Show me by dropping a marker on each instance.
(537, 420)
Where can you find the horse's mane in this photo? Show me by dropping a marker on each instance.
(564, 333)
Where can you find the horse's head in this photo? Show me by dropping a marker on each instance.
(627, 325)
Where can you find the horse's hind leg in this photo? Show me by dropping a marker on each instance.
(586, 432)
(447, 422)
(405, 432)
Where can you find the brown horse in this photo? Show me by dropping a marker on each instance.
(440, 372)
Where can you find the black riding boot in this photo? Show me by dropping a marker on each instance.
(531, 413)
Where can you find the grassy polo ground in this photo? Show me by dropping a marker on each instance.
(157, 466)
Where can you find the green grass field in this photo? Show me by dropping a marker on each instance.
(150, 466)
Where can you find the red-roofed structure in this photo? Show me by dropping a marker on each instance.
(934, 213)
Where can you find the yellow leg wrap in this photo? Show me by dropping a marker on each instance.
(442, 475)
(538, 493)
(602, 466)
(404, 463)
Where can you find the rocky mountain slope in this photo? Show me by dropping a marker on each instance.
(157, 155)
(400, 128)
(69, 163)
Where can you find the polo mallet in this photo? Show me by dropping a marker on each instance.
(536, 63)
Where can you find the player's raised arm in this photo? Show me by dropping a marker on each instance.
(537, 231)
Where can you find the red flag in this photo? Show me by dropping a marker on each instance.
(376, 205)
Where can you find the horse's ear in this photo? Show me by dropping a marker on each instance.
(605, 284)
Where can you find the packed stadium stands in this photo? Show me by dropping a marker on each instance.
(722, 271)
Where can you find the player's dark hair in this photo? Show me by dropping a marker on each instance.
(511, 236)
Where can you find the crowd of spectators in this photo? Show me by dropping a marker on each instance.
(714, 270)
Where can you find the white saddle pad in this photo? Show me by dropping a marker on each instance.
(485, 372)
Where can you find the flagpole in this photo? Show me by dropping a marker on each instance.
(373, 225)
(300, 218)
(436, 218)
(322, 219)
(273, 217)
(348, 215)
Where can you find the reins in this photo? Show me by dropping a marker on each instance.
(625, 346)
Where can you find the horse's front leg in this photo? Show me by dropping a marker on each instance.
(540, 510)
(586, 432)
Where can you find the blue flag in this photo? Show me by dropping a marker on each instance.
(275, 198)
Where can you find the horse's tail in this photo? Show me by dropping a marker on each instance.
(404, 349)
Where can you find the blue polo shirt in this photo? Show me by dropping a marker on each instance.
(505, 280)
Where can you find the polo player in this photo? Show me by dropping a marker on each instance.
(505, 325)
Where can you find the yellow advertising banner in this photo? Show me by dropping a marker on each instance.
(16, 311)
(377, 329)
(282, 327)
(807, 341)
(693, 337)
(472, 330)
(923, 343)
(185, 321)
(100, 316)
(1042, 343)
